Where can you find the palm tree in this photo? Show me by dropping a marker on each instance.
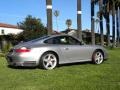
(107, 18)
(117, 21)
(92, 23)
(106, 7)
(97, 24)
(117, 25)
(68, 23)
(100, 16)
(56, 14)
(79, 25)
(101, 21)
(49, 16)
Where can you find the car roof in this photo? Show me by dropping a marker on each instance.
(60, 35)
(52, 36)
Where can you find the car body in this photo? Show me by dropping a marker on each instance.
(52, 50)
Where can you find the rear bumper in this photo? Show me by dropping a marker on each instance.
(18, 61)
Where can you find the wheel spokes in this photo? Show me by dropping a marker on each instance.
(49, 56)
(49, 61)
(98, 58)
(47, 65)
(46, 60)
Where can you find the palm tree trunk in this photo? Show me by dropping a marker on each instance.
(117, 26)
(108, 23)
(79, 25)
(101, 30)
(49, 16)
(108, 29)
(113, 24)
(92, 23)
(101, 22)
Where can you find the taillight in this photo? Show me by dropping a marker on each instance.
(22, 50)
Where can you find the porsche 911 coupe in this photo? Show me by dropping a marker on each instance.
(49, 51)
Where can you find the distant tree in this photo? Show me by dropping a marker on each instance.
(68, 23)
(31, 23)
(56, 14)
(33, 28)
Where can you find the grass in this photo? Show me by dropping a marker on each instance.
(73, 77)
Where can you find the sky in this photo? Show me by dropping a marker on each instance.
(14, 11)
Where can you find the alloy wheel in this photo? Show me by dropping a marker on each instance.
(98, 58)
(49, 61)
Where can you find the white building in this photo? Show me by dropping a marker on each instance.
(6, 29)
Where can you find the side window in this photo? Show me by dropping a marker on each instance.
(64, 40)
(73, 41)
(54, 40)
(49, 41)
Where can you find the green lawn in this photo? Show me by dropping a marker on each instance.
(74, 77)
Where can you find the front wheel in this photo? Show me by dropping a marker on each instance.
(48, 61)
(98, 57)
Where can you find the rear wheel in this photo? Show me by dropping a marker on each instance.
(48, 61)
(98, 57)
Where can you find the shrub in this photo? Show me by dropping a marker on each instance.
(2, 55)
(6, 47)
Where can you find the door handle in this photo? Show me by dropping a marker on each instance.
(66, 48)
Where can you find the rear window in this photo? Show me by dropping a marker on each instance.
(44, 37)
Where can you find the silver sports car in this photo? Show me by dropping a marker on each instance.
(49, 51)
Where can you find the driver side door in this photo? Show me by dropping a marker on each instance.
(72, 50)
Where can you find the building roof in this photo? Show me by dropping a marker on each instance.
(8, 26)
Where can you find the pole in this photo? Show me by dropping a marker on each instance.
(92, 23)
(79, 25)
(49, 16)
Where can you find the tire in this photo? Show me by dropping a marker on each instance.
(97, 57)
(48, 61)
